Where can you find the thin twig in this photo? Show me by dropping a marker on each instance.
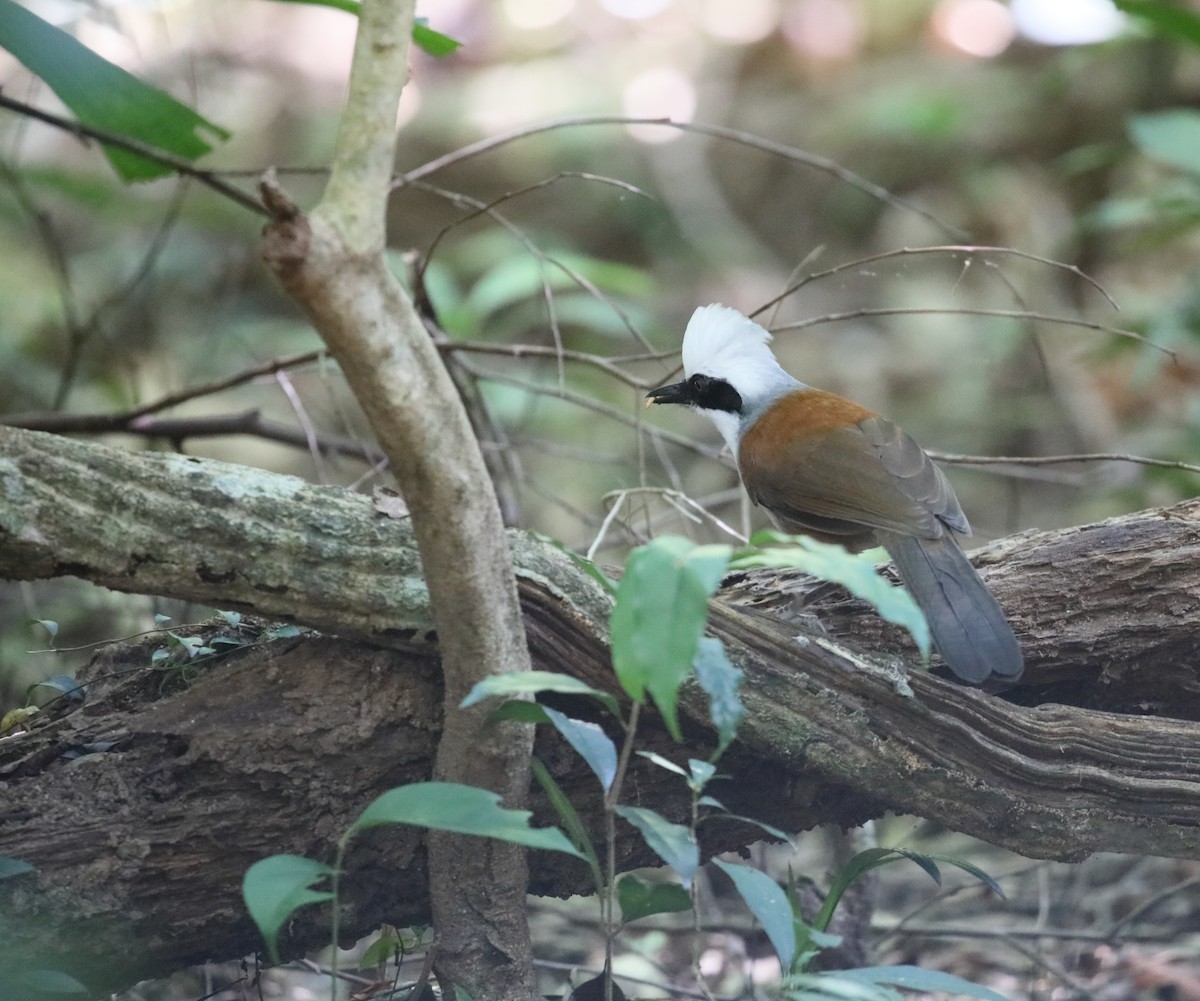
(947, 249)
(679, 501)
(1150, 902)
(962, 931)
(821, 163)
(605, 525)
(311, 439)
(503, 462)
(542, 351)
(176, 163)
(1048, 460)
(458, 198)
(587, 403)
(485, 208)
(683, 992)
(38, 420)
(1011, 314)
(247, 422)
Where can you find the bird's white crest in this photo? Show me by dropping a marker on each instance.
(722, 343)
(717, 337)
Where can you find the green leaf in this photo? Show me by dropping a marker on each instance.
(463, 809)
(58, 686)
(700, 773)
(520, 711)
(640, 899)
(1168, 19)
(53, 983)
(49, 625)
(915, 978)
(873, 858)
(1171, 137)
(532, 682)
(516, 278)
(967, 867)
(193, 645)
(856, 866)
(590, 743)
(382, 949)
(770, 906)
(720, 681)
(809, 942)
(584, 564)
(433, 42)
(510, 280)
(275, 887)
(665, 763)
(724, 814)
(659, 616)
(835, 987)
(854, 571)
(13, 867)
(570, 817)
(675, 844)
(104, 96)
(348, 6)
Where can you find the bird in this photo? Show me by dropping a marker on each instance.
(827, 467)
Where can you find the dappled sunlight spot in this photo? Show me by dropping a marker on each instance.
(635, 10)
(982, 28)
(824, 29)
(1067, 22)
(661, 92)
(740, 21)
(113, 45)
(320, 41)
(530, 15)
(503, 97)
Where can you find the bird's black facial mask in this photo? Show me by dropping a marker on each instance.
(700, 391)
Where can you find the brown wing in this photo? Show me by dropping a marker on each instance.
(820, 461)
(916, 475)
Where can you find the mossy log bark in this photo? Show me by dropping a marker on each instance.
(142, 810)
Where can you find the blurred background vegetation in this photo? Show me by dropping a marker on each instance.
(1062, 130)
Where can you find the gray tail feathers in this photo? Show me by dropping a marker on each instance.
(969, 629)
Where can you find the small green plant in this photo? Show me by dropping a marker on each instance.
(658, 643)
(798, 941)
(48, 698)
(182, 655)
(275, 887)
(392, 944)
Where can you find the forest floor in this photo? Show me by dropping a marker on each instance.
(1109, 928)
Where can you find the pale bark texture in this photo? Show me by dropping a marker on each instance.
(142, 809)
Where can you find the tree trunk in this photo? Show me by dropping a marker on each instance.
(142, 810)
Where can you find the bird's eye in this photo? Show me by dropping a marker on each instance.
(714, 394)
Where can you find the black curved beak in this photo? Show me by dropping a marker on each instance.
(676, 392)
